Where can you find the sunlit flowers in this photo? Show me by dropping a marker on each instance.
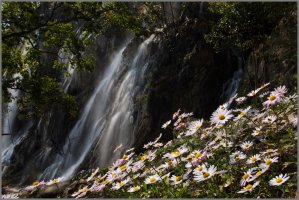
(205, 173)
(120, 184)
(247, 175)
(221, 116)
(134, 189)
(236, 156)
(80, 193)
(176, 180)
(278, 180)
(152, 179)
(166, 124)
(268, 161)
(55, 180)
(246, 145)
(249, 187)
(253, 159)
(269, 119)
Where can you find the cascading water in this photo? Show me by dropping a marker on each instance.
(106, 120)
(231, 86)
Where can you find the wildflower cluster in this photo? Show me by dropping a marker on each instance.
(249, 148)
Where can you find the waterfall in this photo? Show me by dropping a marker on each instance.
(106, 120)
(230, 87)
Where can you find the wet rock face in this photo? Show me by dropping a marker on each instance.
(184, 73)
(273, 60)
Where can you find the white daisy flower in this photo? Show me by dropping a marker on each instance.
(242, 113)
(249, 187)
(253, 159)
(268, 162)
(152, 179)
(281, 90)
(205, 174)
(195, 126)
(278, 180)
(170, 164)
(97, 187)
(199, 169)
(176, 114)
(246, 145)
(257, 174)
(257, 131)
(134, 189)
(253, 92)
(160, 144)
(236, 156)
(240, 100)
(55, 180)
(176, 153)
(273, 99)
(247, 175)
(35, 184)
(118, 185)
(166, 124)
(176, 180)
(92, 175)
(269, 119)
(80, 192)
(220, 116)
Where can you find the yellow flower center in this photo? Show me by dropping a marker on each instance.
(178, 178)
(135, 189)
(245, 176)
(121, 183)
(206, 174)
(144, 157)
(242, 114)
(169, 162)
(258, 173)
(253, 159)
(123, 167)
(113, 174)
(246, 145)
(105, 181)
(176, 153)
(272, 97)
(125, 157)
(152, 179)
(268, 162)
(221, 116)
(84, 190)
(279, 180)
(197, 155)
(197, 127)
(199, 168)
(248, 187)
(55, 180)
(35, 183)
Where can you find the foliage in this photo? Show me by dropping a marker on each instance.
(244, 25)
(39, 39)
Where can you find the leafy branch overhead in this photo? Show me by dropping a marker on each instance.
(39, 39)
